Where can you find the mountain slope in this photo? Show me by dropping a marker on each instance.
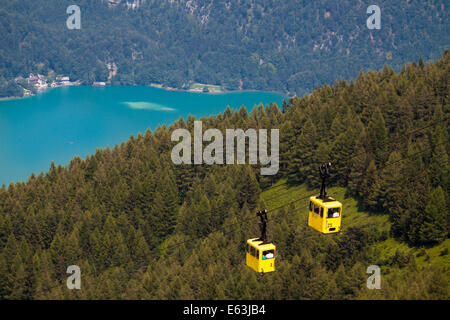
(288, 46)
(140, 226)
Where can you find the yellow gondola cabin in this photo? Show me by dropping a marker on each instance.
(260, 254)
(325, 213)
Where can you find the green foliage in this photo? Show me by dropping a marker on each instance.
(434, 228)
(286, 46)
(142, 228)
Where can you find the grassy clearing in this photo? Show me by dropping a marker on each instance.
(435, 255)
(353, 217)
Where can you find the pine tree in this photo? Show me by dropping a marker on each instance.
(248, 189)
(370, 190)
(302, 153)
(19, 284)
(377, 135)
(439, 164)
(434, 228)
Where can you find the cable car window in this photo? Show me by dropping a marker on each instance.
(334, 212)
(316, 209)
(268, 254)
(321, 212)
(248, 247)
(257, 254)
(310, 206)
(252, 251)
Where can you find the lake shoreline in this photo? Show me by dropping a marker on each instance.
(12, 98)
(152, 85)
(160, 86)
(77, 120)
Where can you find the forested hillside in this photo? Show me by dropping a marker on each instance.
(140, 227)
(289, 46)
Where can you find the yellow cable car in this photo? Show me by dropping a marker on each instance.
(260, 255)
(325, 213)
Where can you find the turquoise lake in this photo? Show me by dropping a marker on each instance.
(61, 123)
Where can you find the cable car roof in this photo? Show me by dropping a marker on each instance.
(329, 203)
(258, 243)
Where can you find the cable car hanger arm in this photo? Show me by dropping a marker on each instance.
(263, 224)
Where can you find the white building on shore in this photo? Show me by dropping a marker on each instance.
(99, 84)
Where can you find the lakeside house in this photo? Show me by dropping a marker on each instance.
(62, 81)
(42, 84)
(65, 81)
(38, 81)
(99, 84)
(27, 93)
(33, 79)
